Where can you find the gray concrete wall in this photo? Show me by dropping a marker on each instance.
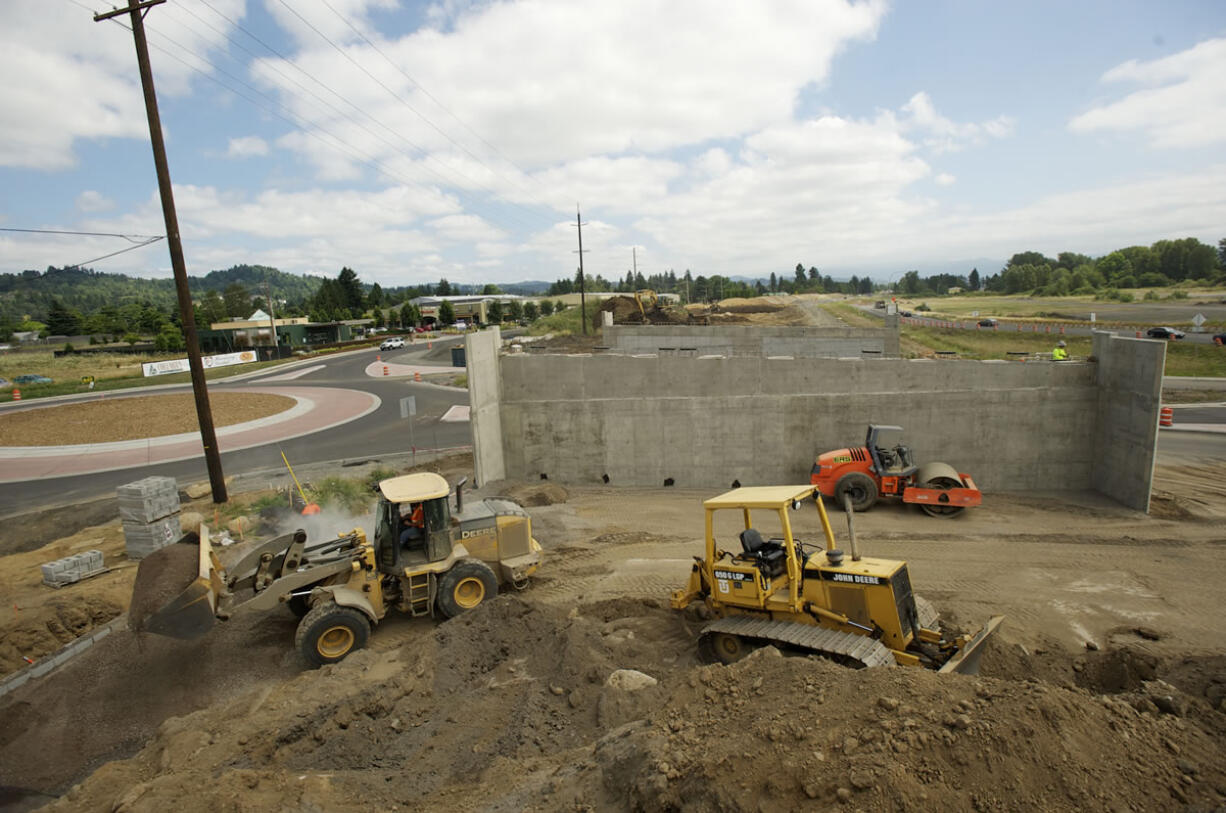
(481, 358)
(1129, 378)
(704, 422)
(759, 341)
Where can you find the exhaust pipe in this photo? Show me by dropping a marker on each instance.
(459, 495)
(851, 528)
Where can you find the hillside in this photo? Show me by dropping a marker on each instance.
(30, 293)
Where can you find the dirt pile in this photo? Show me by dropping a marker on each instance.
(162, 575)
(516, 706)
(626, 311)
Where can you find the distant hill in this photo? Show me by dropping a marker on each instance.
(30, 293)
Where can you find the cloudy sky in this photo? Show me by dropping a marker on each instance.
(413, 141)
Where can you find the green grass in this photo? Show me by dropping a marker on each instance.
(565, 323)
(67, 373)
(1200, 360)
(353, 496)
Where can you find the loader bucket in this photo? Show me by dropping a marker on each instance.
(966, 661)
(176, 589)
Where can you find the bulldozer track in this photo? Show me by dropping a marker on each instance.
(840, 646)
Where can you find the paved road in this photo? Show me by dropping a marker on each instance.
(379, 434)
(1069, 329)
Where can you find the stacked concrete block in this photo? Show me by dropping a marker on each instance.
(149, 509)
(73, 568)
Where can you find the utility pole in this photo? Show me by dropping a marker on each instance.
(208, 437)
(272, 317)
(582, 278)
(634, 257)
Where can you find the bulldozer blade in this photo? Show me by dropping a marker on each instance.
(966, 661)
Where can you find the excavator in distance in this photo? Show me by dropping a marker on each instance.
(858, 611)
(445, 564)
(867, 472)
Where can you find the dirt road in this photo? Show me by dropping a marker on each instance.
(511, 706)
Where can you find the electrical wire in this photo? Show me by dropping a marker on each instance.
(144, 239)
(434, 99)
(298, 121)
(150, 241)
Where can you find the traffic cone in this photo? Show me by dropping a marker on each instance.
(378, 357)
(417, 375)
(16, 394)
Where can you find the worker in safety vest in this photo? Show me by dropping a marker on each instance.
(414, 526)
(1059, 354)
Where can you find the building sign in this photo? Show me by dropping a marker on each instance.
(181, 365)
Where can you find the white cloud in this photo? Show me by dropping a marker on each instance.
(1182, 102)
(944, 179)
(91, 201)
(945, 135)
(247, 147)
(79, 78)
(557, 81)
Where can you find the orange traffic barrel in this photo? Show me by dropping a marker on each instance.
(16, 394)
(385, 369)
(417, 375)
(1166, 417)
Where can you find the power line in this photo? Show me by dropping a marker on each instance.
(148, 242)
(430, 96)
(305, 125)
(146, 238)
(383, 85)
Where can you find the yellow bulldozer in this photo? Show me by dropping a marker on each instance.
(780, 591)
(424, 560)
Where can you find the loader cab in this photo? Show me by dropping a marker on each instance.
(398, 497)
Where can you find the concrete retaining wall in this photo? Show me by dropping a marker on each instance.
(752, 340)
(1129, 381)
(705, 422)
(481, 358)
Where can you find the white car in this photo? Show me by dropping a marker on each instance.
(394, 343)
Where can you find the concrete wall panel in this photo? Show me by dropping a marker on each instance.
(1129, 378)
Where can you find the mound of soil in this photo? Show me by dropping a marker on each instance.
(534, 494)
(162, 575)
(515, 706)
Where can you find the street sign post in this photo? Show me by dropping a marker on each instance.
(408, 408)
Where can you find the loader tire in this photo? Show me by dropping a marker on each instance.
(465, 586)
(860, 487)
(329, 632)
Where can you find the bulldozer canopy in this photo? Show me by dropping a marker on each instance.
(422, 485)
(759, 497)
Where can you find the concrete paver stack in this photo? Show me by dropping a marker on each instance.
(149, 509)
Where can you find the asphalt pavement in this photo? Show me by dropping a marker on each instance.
(373, 431)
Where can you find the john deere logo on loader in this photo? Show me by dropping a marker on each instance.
(851, 578)
(478, 532)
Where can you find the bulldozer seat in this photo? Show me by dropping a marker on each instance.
(770, 557)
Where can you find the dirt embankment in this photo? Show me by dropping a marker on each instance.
(520, 706)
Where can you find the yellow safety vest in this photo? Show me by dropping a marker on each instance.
(1059, 354)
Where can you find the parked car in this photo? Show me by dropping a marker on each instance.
(393, 343)
(988, 322)
(5, 383)
(422, 329)
(30, 378)
(1164, 333)
(1219, 339)
(907, 314)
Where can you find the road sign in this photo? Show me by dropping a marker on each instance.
(1198, 319)
(408, 406)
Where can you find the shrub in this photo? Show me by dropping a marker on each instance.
(923, 306)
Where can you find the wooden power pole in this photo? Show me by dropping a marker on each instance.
(582, 278)
(208, 436)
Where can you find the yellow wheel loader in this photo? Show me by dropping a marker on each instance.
(855, 610)
(424, 560)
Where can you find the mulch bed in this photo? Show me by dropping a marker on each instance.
(135, 418)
